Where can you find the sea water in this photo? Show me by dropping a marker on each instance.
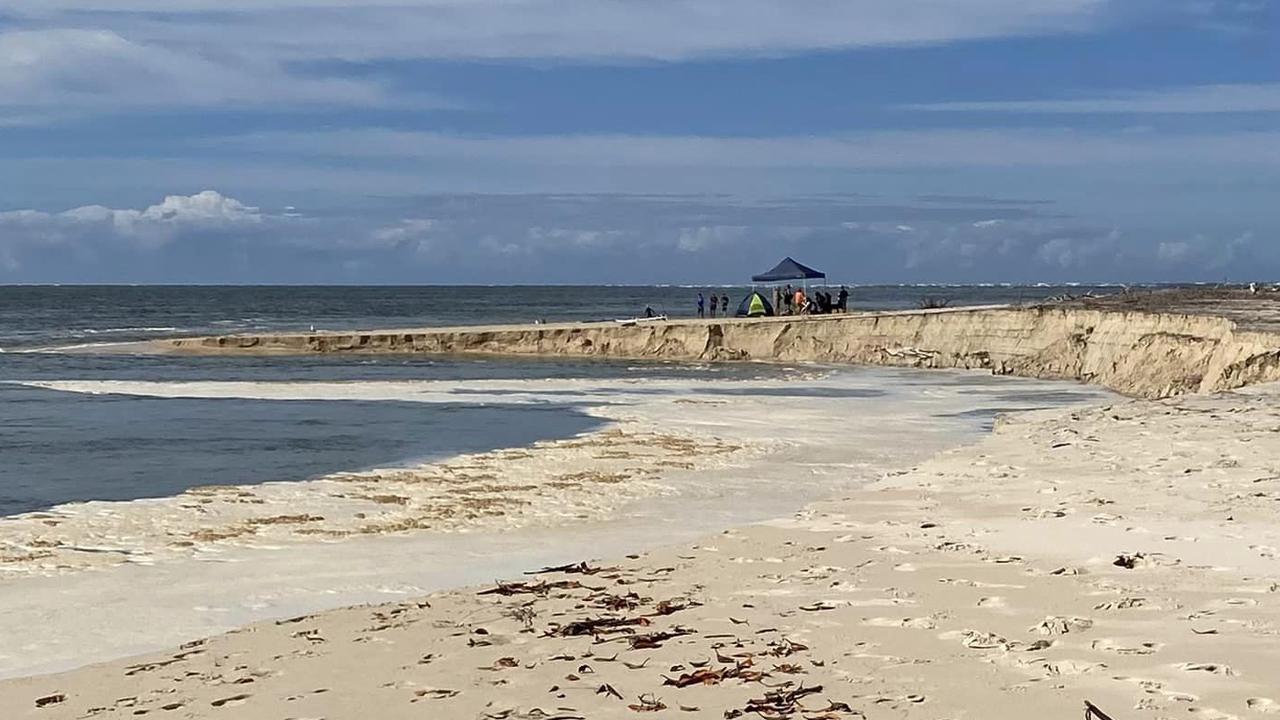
(59, 316)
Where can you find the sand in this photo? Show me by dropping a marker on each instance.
(674, 460)
(1123, 553)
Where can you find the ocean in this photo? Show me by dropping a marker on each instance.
(39, 317)
(60, 447)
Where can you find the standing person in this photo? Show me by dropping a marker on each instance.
(724, 304)
(788, 296)
(843, 305)
(800, 300)
(715, 300)
(701, 306)
(777, 299)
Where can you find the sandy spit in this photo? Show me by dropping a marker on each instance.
(1123, 553)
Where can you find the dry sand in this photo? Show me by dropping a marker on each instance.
(1123, 553)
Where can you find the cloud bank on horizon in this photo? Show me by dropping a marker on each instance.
(632, 141)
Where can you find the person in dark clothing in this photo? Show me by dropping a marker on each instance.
(715, 302)
(843, 304)
(648, 311)
(788, 296)
(724, 304)
(701, 306)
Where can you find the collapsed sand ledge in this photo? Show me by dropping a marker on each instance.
(1140, 353)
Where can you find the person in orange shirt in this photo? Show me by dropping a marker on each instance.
(800, 301)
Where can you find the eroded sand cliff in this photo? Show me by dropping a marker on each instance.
(1144, 354)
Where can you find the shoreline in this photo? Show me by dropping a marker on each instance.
(1045, 565)
(653, 472)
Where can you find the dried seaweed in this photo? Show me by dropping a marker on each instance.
(596, 626)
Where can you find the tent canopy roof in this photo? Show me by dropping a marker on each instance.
(789, 269)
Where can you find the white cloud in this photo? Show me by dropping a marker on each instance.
(66, 70)
(1074, 251)
(1171, 252)
(708, 237)
(1258, 97)
(410, 230)
(559, 238)
(1231, 251)
(210, 237)
(569, 29)
(151, 227)
(1214, 253)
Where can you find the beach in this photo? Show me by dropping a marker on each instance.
(1121, 553)
(666, 459)
(730, 539)
(582, 360)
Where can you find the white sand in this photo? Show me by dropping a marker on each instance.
(676, 461)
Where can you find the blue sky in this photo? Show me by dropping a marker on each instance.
(638, 140)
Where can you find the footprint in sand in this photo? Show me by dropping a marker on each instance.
(1265, 551)
(890, 549)
(1147, 684)
(921, 623)
(1211, 714)
(231, 701)
(1263, 705)
(1127, 603)
(1058, 625)
(994, 601)
(1122, 648)
(1072, 667)
(1211, 668)
(977, 639)
(1004, 559)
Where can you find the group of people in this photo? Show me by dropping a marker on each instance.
(795, 301)
(720, 304)
(786, 301)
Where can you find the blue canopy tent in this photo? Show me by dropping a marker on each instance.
(789, 269)
(786, 271)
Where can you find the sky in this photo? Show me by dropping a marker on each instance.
(638, 141)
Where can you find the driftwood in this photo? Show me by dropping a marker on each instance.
(1092, 712)
(581, 568)
(538, 588)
